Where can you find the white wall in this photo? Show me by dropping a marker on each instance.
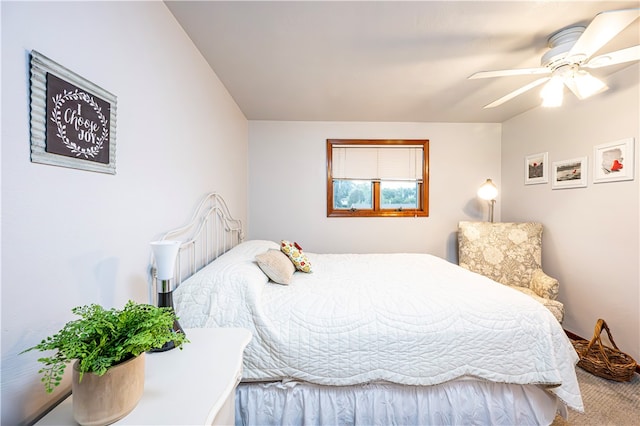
(592, 234)
(287, 185)
(72, 237)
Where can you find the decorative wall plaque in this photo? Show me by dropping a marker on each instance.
(73, 121)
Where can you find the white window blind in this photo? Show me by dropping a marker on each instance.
(377, 162)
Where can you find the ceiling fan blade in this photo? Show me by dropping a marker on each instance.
(506, 73)
(618, 57)
(517, 92)
(604, 27)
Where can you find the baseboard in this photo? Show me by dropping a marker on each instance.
(574, 336)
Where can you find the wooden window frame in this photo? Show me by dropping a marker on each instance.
(423, 187)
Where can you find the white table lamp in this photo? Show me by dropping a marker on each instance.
(165, 253)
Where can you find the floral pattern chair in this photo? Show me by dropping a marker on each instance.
(511, 254)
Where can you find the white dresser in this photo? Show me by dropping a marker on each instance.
(192, 386)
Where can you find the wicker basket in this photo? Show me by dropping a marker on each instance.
(603, 361)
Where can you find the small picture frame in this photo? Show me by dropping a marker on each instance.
(614, 161)
(536, 168)
(569, 173)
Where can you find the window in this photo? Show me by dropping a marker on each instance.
(377, 178)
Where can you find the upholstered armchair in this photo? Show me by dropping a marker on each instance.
(511, 254)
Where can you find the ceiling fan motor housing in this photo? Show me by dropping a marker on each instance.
(560, 44)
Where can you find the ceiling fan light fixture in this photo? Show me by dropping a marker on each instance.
(552, 92)
(587, 85)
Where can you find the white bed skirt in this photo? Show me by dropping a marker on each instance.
(460, 402)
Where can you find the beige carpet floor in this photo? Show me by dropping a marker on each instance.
(606, 402)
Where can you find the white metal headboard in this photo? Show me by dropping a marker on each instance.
(210, 233)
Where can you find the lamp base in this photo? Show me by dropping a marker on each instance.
(165, 300)
(491, 206)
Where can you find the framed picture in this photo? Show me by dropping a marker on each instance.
(613, 161)
(569, 173)
(536, 168)
(73, 121)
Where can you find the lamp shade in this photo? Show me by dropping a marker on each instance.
(553, 92)
(584, 85)
(488, 191)
(165, 253)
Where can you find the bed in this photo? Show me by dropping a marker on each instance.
(399, 338)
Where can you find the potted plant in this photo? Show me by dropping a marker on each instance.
(108, 347)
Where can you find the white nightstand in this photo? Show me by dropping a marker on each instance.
(192, 386)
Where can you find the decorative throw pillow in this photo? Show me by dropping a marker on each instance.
(294, 251)
(276, 265)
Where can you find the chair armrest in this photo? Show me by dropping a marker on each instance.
(544, 285)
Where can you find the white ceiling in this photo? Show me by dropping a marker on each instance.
(382, 60)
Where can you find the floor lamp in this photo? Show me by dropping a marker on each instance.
(488, 191)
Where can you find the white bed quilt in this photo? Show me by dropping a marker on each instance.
(411, 319)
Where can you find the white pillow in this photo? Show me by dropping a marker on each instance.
(276, 265)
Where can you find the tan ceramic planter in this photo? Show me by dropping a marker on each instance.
(102, 400)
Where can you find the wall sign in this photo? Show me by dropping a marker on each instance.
(73, 121)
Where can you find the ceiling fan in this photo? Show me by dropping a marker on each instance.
(569, 57)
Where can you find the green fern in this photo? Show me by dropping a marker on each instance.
(103, 338)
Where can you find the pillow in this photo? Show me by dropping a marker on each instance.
(294, 251)
(276, 265)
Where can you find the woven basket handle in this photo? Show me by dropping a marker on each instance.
(596, 339)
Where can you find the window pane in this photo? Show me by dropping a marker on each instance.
(352, 194)
(398, 195)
